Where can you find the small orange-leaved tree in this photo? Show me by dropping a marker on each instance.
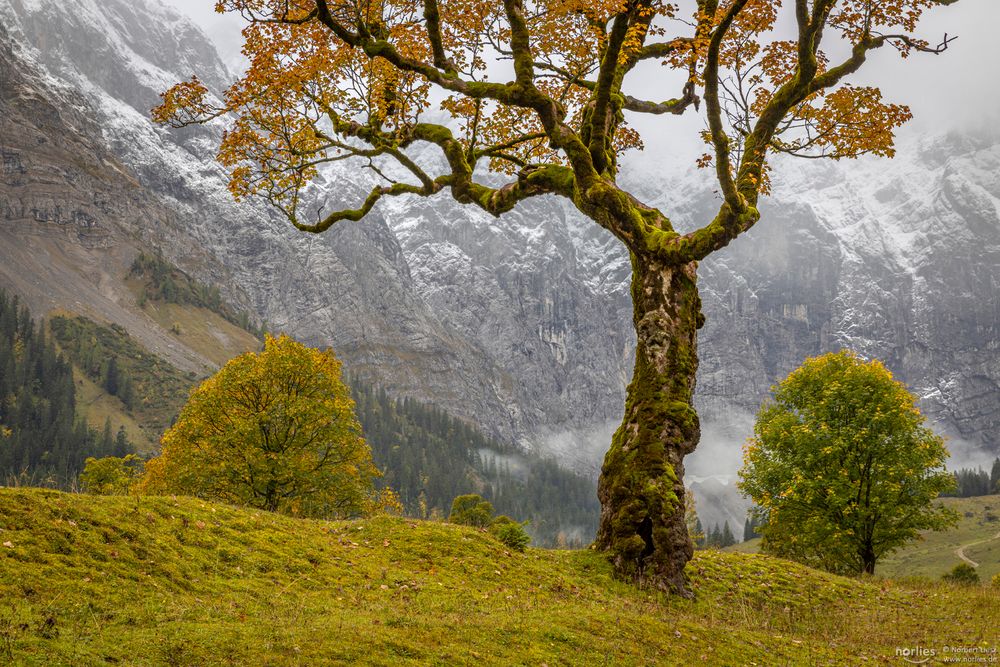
(332, 80)
(274, 430)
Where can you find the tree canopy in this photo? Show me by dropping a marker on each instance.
(471, 509)
(841, 466)
(274, 430)
(540, 93)
(334, 80)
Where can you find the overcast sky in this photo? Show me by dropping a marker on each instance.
(956, 90)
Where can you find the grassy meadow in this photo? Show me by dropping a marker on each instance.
(88, 580)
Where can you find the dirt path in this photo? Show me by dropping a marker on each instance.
(960, 552)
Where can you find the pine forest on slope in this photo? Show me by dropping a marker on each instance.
(43, 439)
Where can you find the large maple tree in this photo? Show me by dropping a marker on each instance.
(541, 91)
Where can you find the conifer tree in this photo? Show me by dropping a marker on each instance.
(111, 377)
(726, 538)
(122, 446)
(699, 538)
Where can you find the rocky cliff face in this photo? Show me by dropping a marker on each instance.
(106, 62)
(522, 323)
(68, 207)
(899, 264)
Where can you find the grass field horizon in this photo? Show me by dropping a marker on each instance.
(96, 580)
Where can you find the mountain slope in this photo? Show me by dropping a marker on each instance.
(520, 324)
(349, 288)
(68, 206)
(98, 580)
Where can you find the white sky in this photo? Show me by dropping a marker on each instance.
(956, 90)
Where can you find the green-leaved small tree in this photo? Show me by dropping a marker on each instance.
(841, 466)
(471, 509)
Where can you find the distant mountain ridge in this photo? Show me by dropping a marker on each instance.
(521, 324)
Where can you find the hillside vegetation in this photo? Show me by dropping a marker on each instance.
(89, 580)
(427, 456)
(203, 331)
(148, 391)
(430, 457)
(43, 439)
(97, 406)
(157, 390)
(154, 278)
(977, 536)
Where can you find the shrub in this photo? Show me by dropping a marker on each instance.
(111, 475)
(962, 574)
(510, 533)
(471, 509)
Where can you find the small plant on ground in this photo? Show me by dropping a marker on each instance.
(472, 509)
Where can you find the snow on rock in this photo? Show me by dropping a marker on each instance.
(523, 323)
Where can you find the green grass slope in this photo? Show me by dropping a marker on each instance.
(202, 330)
(977, 536)
(88, 580)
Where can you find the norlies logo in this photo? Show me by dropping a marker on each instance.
(916, 655)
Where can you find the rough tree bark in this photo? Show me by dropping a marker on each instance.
(641, 487)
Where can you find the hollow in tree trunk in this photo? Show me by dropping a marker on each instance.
(641, 486)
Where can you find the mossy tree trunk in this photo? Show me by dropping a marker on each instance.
(641, 486)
